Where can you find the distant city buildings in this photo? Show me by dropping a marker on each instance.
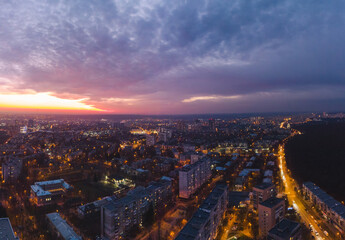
(61, 229)
(271, 212)
(6, 230)
(24, 130)
(11, 169)
(204, 223)
(150, 140)
(162, 137)
(49, 192)
(191, 177)
(111, 158)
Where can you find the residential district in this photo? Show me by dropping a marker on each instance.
(77, 178)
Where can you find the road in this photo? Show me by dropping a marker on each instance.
(293, 197)
(228, 228)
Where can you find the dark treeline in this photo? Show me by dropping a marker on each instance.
(318, 155)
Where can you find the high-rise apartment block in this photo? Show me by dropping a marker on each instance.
(191, 177)
(204, 223)
(263, 192)
(271, 212)
(118, 216)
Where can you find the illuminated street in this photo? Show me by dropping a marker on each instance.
(294, 199)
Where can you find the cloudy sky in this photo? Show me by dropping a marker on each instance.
(166, 57)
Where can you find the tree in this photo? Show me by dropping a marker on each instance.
(3, 213)
(149, 217)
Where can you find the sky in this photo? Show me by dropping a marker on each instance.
(172, 57)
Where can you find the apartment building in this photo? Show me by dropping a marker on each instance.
(118, 216)
(271, 212)
(205, 222)
(263, 192)
(332, 209)
(192, 176)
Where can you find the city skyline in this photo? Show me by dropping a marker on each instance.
(163, 57)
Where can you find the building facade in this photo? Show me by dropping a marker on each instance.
(49, 192)
(205, 222)
(11, 169)
(120, 215)
(191, 177)
(150, 140)
(333, 210)
(263, 192)
(271, 212)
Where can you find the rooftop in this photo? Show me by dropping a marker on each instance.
(328, 200)
(191, 230)
(264, 186)
(38, 187)
(62, 227)
(6, 231)
(188, 167)
(201, 217)
(285, 229)
(235, 198)
(211, 201)
(272, 202)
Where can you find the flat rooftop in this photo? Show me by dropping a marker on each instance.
(6, 231)
(272, 202)
(264, 186)
(63, 227)
(193, 227)
(285, 229)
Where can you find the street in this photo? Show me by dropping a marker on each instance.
(294, 198)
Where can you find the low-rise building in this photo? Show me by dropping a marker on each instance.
(49, 192)
(61, 228)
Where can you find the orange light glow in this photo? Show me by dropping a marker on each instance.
(43, 101)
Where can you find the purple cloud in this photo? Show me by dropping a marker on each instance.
(154, 56)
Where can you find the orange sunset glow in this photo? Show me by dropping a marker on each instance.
(44, 101)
